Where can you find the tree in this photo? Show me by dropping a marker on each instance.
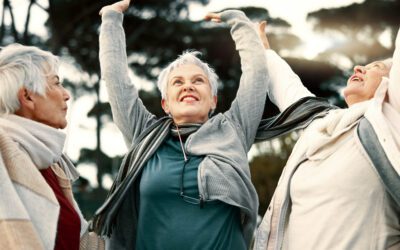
(361, 24)
(9, 34)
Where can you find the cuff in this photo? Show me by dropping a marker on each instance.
(112, 15)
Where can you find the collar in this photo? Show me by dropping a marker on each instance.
(184, 130)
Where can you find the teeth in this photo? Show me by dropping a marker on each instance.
(190, 98)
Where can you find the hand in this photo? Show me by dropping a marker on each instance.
(263, 35)
(214, 17)
(120, 6)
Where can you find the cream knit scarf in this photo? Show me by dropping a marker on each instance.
(42, 143)
(324, 135)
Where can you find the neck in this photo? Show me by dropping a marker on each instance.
(183, 122)
(23, 113)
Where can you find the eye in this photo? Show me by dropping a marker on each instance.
(198, 80)
(59, 84)
(378, 66)
(177, 82)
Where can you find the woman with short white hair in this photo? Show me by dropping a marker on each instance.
(185, 183)
(37, 208)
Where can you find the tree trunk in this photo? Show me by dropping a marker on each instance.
(14, 30)
(25, 37)
(2, 25)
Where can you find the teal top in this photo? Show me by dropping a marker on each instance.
(167, 221)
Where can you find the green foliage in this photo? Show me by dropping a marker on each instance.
(267, 166)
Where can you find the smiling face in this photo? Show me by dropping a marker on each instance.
(361, 86)
(188, 96)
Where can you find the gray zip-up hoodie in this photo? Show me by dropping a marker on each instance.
(224, 139)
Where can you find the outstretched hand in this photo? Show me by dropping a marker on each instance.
(263, 34)
(120, 6)
(215, 17)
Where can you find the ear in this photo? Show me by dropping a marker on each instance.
(164, 105)
(25, 99)
(214, 103)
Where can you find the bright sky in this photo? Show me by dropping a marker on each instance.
(293, 11)
(81, 130)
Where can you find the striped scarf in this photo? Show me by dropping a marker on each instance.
(294, 117)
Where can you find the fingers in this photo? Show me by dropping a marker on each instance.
(261, 27)
(102, 11)
(126, 4)
(215, 17)
(120, 6)
(263, 35)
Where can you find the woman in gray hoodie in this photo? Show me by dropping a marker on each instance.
(185, 183)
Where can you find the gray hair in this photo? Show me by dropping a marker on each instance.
(187, 57)
(23, 66)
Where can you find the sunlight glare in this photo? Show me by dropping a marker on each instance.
(89, 172)
(385, 38)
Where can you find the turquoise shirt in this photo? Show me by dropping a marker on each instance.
(166, 221)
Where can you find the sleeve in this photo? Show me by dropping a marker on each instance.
(247, 108)
(394, 76)
(285, 86)
(129, 113)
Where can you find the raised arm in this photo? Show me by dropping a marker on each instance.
(394, 76)
(129, 113)
(246, 110)
(285, 86)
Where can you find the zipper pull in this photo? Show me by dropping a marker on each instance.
(201, 201)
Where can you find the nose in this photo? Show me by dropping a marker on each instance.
(359, 69)
(188, 86)
(66, 95)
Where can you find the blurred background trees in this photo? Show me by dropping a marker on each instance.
(158, 31)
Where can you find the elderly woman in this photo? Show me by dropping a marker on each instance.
(37, 209)
(340, 188)
(185, 184)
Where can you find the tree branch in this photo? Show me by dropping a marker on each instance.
(14, 30)
(28, 16)
(2, 25)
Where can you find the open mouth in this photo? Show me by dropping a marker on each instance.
(189, 98)
(356, 78)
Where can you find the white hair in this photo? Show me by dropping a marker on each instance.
(187, 57)
(23, 66)
(388, 62)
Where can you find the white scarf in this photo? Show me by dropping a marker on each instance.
(42, 143)
(325, 133)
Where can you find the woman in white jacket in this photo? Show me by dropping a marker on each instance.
(340, 186)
